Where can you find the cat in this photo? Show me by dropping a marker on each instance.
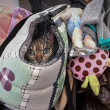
(40, 51)
(44, 44)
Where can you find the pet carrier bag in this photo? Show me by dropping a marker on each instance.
(33, 86)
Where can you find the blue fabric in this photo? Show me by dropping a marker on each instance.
(74, 22)
(92, 27)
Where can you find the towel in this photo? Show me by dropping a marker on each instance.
(93, 22)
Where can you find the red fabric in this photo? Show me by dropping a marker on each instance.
(5, 20)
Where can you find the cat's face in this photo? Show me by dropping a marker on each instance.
(39, 51)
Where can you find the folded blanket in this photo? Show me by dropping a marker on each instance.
(93, 22)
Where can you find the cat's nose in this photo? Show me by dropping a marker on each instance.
(39, 60)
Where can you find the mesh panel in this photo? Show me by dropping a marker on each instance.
(43, 45)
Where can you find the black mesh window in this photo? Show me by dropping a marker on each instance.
(42, 44)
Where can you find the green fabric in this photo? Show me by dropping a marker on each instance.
(101, 41)
(104, 44)
(14, 96)
(92, 27)
(63, 34)
(59, 88)
(20, 69)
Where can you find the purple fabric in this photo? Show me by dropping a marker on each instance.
(25, 13)
(6, 77)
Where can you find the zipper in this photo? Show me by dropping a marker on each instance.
(59, 14)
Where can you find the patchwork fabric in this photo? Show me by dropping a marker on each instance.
(34, 86)
(6, 76)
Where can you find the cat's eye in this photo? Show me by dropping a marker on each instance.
(46, 50)
(31, 52)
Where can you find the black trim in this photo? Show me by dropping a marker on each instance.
(55, 85)
(78, 1)
(53, 108)
(54, 13)
(68, 92)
